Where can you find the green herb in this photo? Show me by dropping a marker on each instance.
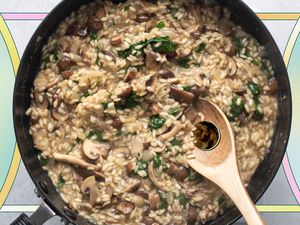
(53, 53)
(61, 182)
(78, 141)
(184, 62)
(93, 36)
(254, 88)
(166, 45)
(119, 132)
(127, 7)
(85, 95)
(160, 25)
(44, 160)
(255, 62)
(156, 122)
(201, 47)
(105, 105)
(129, 102)
(141, 165)
(163, 204)
(76, 81)
(174, 111)
(187, 88)
(173, 11)
(258, 115)
(182, 199)
(98, 58)
(98, 135)
(194, 176)
(176, 142)
(238, 45)
(156, 161)
(237, 106)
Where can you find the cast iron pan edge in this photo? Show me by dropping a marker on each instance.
(30, 63)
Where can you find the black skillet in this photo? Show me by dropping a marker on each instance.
(53, 203)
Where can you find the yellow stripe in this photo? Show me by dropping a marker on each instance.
(278, 208)
(16, 156)
(278, 16)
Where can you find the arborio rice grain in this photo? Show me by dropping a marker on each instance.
(112, 108)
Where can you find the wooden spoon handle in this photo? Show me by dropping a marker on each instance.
(239, 195)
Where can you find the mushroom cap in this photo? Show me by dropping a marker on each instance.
(92, 150)
(125, 207)
(89, 186)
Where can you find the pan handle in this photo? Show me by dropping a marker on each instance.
(39, 217)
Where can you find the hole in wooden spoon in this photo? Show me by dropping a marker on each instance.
(207, 135)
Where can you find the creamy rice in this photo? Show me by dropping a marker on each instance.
(112, 108)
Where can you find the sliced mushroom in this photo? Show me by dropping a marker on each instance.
(117, 124)
(153, 82)
(125, 207)
(156, 180)
(82, 172)
(130, 167)
(109, 54)
(178, 172)
(67, 74)
(143, 194)
(272, 86)
(122, 149)
(94, 24)
(172, 133)
(41, 100)
(166, 74)
(226, 27)
(151, 61)
(154, 200)
(152, 109)
(232, 67)
(149, 221)
(89, 186)
(131, 74)
(116, 41)
(200, 30)
(137, 146)
(150, 25)
(100, 13)
(133, 185)
(181, 96)
(65, 64)
(93, 150)
(57, 115)
(72, 28)
(229, 47)
(143, 17)
(73, 160)
(192, 215)
(126, 93)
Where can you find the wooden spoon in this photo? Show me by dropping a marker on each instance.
(219, 164)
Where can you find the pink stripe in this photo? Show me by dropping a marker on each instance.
(24, 16)
(290, 177)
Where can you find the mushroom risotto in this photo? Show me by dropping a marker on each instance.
(113, 116)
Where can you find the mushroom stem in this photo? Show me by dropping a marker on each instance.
(73, 160)
(172, 133)
(158, 182)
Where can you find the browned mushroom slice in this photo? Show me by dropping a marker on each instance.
(199, 91)
(65, 64)
(200, 30)
(130, 167)
(125, 207)
(178, 172)
(73, 160)
(149, 221)
(155, 179)
(126, 92)
(41, 100)
(150, 25)
(116, 41)
(117, 124)
(272, 86)
(89, 186)
(111, 55)
(232, 67)
(73, 28)
(100, 12)
(181, 96)
(93, 150)
(94, 24)
(151, 61)
(172, 133)
(166, 74)
(192, 215)
(226, 27)
(143, 17)
(229, 47)
(152, 81)
(59, 116)
(143, 194)
(84, 173)
(131, 74)
(133, 185)
(154, 200)
(152, 109)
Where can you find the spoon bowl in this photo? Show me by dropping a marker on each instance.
(219, 164)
